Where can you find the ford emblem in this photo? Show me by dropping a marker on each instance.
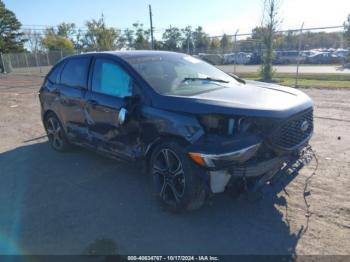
(304, 126)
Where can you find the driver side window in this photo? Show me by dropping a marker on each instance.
(110, 79)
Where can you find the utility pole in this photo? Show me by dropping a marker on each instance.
(298, 61)
(150, 18)
(235, 52)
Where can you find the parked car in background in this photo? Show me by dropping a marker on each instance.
(323, 58)
(197, 128)
(241, 58)
(214, 59)
(288, 57)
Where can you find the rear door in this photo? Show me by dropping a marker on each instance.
(110, 84)
(72, 91)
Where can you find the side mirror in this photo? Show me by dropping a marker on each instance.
(122, 116)
(130, 103)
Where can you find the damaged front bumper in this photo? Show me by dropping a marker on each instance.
(251, 158)
(220, 178)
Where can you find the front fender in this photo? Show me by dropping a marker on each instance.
(158, 122)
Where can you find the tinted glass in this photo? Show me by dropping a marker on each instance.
(179, 74)
(53, 77)
(108, 78)
(75, 72)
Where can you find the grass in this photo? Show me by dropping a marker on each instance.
(307, 80)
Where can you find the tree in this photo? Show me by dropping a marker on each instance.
(101, 37)
(141, 37)
(128, 38)
(34, 40)
(172, 38)
(54, 42)
(270, 24)
(187, 42)
(67, 30)
(201, 40)
(215, 43)
(347, 37)
(11, 38)
(226, 43)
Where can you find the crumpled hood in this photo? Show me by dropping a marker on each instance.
(251, 99)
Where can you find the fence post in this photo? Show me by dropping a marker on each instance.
(9, 57)
(2, 64)
(188, 45)
(26, 58)
(298, 61)
(235, 52)
(61, 54)
(47, 58)
(36, 61)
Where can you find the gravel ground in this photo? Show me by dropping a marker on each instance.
(79, 202)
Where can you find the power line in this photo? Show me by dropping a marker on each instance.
(289, 30)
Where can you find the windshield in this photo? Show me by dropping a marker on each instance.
(179, 74)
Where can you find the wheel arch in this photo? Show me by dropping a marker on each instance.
(48, 112)
(165, 137)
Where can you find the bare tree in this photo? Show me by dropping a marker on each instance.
(34, 40)
(270, 23)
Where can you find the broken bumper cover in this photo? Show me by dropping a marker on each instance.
(244, 161)
(219, 179)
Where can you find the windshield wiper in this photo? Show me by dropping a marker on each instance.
(204, 78)
(237, 78)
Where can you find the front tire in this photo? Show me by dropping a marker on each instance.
(55, 133)
(176, 178)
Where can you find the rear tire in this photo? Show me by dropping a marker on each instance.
(176, 178)
(56, 134)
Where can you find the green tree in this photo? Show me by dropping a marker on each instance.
(215, 44)
(11, 38)
(347, 37)
(187, 42)
(201, 40)
(226, 43)
(67, 30)
(54, 42)
(128, 38)
(141, 37)
(172, 38)
(270, 24)
(101, 37)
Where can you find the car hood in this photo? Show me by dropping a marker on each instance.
(251, 99)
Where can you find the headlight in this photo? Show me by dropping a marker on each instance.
(225, 125)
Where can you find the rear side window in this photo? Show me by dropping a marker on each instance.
(110, 79)
(75, 72)
(54, 75)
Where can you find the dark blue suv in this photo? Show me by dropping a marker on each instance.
(197, 128)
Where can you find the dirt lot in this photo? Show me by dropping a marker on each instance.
(52, 203)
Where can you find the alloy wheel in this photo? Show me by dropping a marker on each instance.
(54, 132)
(169, 176)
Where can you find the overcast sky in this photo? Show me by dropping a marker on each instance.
(217, 17)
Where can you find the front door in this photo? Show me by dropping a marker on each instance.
(72, 96)
(110, 84)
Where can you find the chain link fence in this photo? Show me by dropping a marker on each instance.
(31, 62)
(297, 52)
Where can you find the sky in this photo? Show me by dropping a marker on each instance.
(216, 17)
